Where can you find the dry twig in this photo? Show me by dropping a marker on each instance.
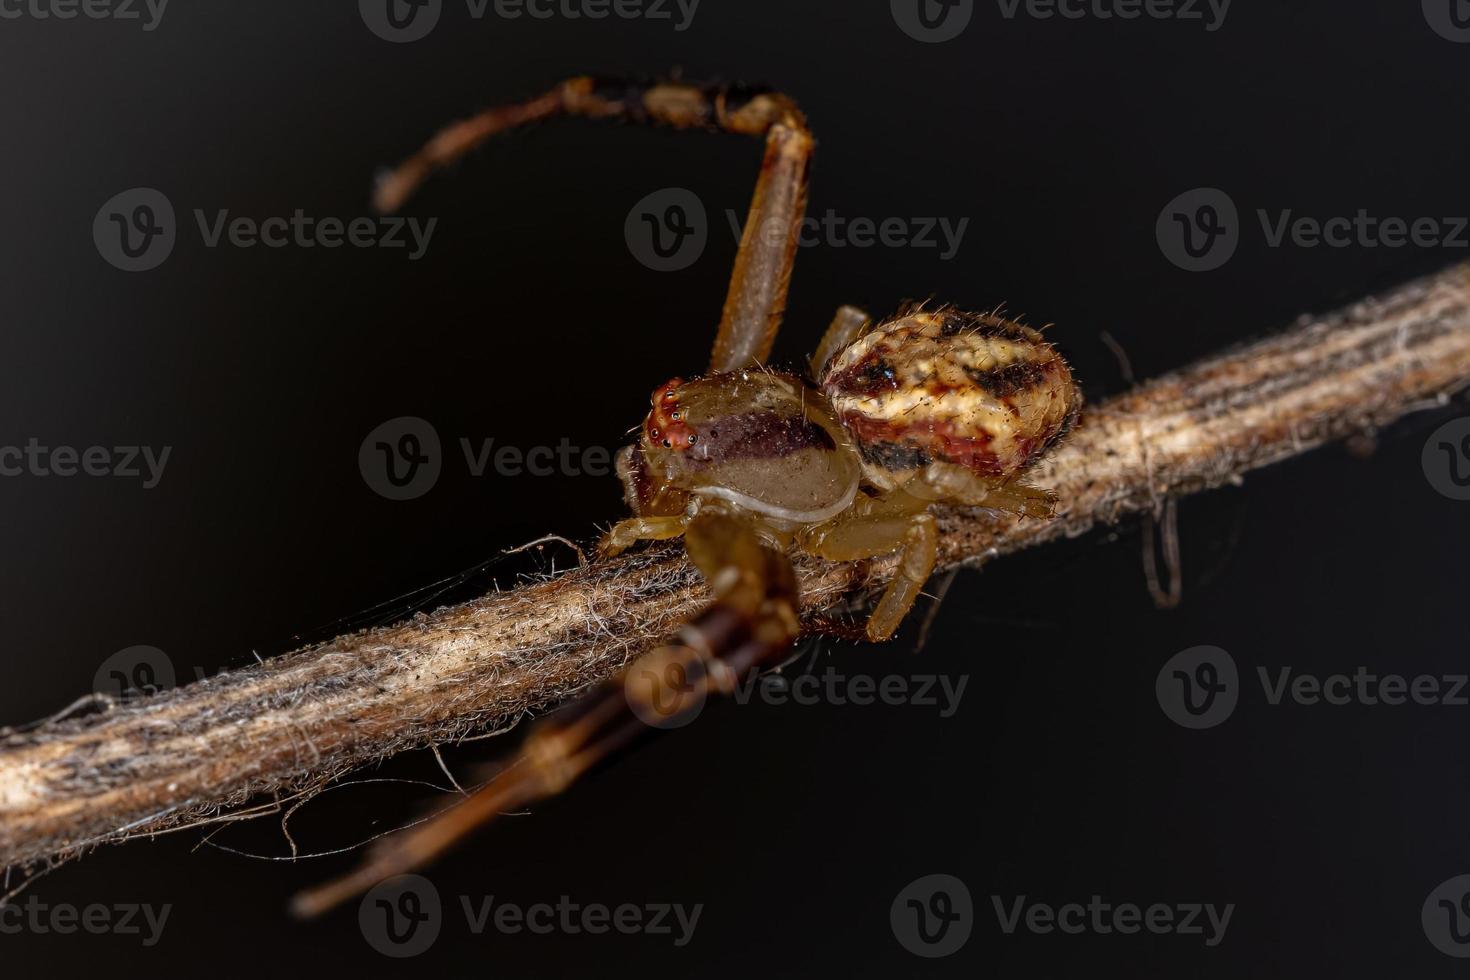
(295, 721)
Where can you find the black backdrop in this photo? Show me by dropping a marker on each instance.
(529, 321)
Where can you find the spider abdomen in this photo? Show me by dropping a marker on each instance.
(975, 390)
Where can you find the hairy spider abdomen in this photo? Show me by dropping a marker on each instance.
(975, 390)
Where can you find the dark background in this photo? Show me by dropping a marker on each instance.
(529, 321)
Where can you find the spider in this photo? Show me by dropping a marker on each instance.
(749, 464)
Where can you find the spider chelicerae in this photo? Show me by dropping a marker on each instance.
(747, 464)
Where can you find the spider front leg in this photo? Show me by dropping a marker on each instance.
(751, 622)
(757, 296)
(626, 533)
(756, 300)
(876, 526)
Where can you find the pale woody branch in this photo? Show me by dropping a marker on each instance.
(298, 720)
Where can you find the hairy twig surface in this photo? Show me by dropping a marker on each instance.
(298, 720)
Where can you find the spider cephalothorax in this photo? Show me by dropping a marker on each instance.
(759, 441)
(748, 465)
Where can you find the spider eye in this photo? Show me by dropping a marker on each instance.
(675, 416)
(693, 440)
(668, 445)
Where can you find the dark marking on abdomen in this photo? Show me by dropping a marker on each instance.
(1009, 381)
(893, 456)
(756, 435)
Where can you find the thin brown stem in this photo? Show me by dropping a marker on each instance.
(294, 722)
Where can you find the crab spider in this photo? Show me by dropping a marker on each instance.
(748, 464)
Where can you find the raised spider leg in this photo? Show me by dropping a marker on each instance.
(954, 483)
(751, 622)
(848, 324)
(757, 296)
(875, 526)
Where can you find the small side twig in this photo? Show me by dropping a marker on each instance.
(294, 722)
